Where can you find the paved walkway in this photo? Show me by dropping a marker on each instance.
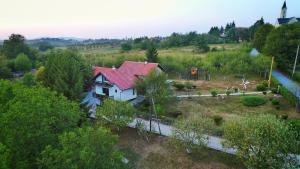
(166, 130)
(286, 82)
(209, 95)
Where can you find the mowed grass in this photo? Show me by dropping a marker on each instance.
(230, 107)
(158, 153)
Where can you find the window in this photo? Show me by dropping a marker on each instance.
(116, 91)
(133, 91)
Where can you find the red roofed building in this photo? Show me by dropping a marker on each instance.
(118, 83)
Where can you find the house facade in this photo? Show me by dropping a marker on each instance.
(118, 83)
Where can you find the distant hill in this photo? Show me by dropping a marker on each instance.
(66, 41)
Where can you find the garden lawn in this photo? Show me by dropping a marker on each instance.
(229, 107)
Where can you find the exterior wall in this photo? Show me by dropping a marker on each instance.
(99, 79)
(115, 92)
(99, 90)
(128, 95)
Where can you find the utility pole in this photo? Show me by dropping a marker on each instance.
(296, 58)
(270, 74)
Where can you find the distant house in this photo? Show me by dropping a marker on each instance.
(118, 83)
(283, 19)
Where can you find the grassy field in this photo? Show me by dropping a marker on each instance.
(231, 106)
(112, 55)
(159, 154)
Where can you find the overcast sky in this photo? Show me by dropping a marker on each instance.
(131, 18)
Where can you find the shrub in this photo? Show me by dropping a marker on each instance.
(179, 86)
(261, 87)
(294, 125)
(236, 90)
(199, 93)
(286, 93)
(22, 63)
(265, 83)
(188, 85)
(218, 119)
(253, 101)
(214, 93)
(296, 76)
(28, 79)
(284, 116)
(228, 93)
(264, 92)
(275, 102)
(274, 90)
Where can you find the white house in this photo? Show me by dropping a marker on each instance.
(118, 83)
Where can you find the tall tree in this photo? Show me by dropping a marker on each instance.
(262, 141)
(202, 45)
(255, 26)
(14, 46)
(5, 71)
(65, 72)
(151, 53)
(261, 35)
(282, 43)
(5, 157)
(84, 148)
(156, 90)
(31, 119)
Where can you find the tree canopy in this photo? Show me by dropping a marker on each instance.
(84, 148)
(151, 53)
(14, 46)
(282, 43)
(66, 72)
(23, 63)
(31, 119)
(262, 141)
(261, 35)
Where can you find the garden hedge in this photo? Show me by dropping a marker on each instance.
(253, 101)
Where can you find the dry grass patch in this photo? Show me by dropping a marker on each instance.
(159, 154)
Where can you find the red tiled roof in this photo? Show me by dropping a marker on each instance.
(125, 76)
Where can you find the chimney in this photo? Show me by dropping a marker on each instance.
(113, 67)
(146, 62)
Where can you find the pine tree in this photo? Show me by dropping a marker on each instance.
(151, 53)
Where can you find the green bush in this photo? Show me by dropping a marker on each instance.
(228, 93)
(261, 87)
(179, 86)
(253, 101)
(274, 90)
(218, 119)
(284, 116)
(294, 125)
(22, 63)
(188, 85)
(296, 76)
(214, 93)
(275, 102)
